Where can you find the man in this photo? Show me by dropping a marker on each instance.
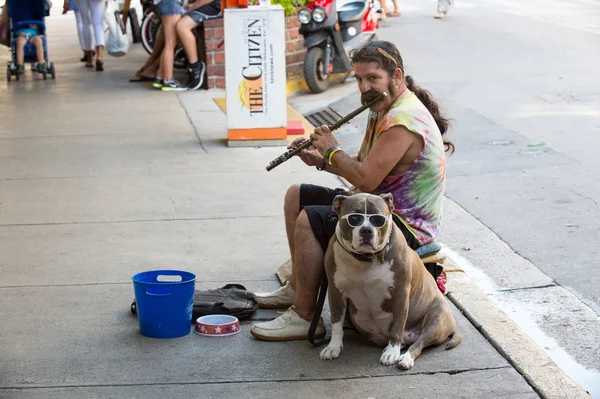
(402, 153)
(197, 12)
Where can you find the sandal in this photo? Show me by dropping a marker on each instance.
(84, 58)
(99, 65)
(396, 13)
(141, 79)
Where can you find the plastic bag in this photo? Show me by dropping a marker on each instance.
(117, 42)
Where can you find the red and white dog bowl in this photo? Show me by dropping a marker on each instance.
(217, 325)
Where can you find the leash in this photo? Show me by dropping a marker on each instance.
(318, 310)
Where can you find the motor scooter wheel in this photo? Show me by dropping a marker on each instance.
(316, 80)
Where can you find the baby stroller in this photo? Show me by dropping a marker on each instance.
(24, 14)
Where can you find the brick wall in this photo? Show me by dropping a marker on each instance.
(215, 55)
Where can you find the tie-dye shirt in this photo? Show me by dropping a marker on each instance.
(419, 191)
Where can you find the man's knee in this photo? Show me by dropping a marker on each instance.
(37, 41)
(292, 199)
(185, 25)
(21, 41)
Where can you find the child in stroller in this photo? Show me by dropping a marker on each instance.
(28, 41)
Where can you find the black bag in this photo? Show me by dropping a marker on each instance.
(232, 299)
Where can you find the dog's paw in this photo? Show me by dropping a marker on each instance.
(390, 355)
(331, 352)
(406, 362)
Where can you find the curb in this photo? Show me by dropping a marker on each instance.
(540, 372)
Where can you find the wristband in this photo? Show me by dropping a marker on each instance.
(332, 153)
(329, 153)
(323, 164)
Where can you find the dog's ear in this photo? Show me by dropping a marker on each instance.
(337, 203)
(389, 199)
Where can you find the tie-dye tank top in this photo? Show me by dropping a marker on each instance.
(419, 191)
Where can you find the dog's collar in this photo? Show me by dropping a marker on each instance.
(363, 257)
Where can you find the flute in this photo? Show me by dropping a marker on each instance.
(307, 143)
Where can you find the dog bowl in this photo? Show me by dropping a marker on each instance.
(217, 325)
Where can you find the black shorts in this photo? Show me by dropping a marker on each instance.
(317, 202)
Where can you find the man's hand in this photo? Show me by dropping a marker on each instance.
(309, 156)
(323, 139)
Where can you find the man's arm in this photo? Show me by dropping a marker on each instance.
(332, 169)
(367, 175)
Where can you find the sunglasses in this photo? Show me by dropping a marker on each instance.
(358, 219)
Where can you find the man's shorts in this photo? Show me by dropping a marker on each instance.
(28, 33)
(204, 13)
(317, 203)
(169, 7)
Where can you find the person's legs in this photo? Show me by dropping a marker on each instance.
(396, 12)
(185, 33)
(308, 269)
(168, 26)
(20, 50)
(97, 8)
(79, 22)
(20, 54)
(185, 28)
(308, 265)
(443, 8)
(291, 211)
(39, 51)
(84, 12)
(309, 228)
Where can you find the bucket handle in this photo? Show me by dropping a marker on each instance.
(158, 293)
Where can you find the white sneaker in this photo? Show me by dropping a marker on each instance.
(281, 298)
(287, 327)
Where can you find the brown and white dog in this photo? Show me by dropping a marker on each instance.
(392, 298)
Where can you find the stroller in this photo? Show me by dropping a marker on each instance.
(24, 14)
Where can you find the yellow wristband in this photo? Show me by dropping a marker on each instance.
(331, 154)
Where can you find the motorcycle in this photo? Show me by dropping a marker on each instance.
(329, 35)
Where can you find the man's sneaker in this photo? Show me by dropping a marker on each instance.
(20, 69)
(196, 76)
(173, 85)
(287, 327)
(281, 298)
(158, 83)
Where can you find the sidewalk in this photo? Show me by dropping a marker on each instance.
(114, 178)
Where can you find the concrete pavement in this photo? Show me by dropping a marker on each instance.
(101, 179)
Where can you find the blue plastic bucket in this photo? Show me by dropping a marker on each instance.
(164, 300)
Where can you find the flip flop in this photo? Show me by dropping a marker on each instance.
(396, 13)
(141, 79)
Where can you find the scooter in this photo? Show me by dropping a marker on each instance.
(329, 35)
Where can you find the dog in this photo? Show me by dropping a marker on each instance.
(392, 297)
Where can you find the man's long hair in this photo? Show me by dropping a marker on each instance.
(388, 57)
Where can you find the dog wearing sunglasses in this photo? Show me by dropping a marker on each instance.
(392, 298)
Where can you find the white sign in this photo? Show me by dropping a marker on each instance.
(255, 75)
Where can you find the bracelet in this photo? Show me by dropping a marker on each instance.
(329, 153)
(332, 153)
(323, 164)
